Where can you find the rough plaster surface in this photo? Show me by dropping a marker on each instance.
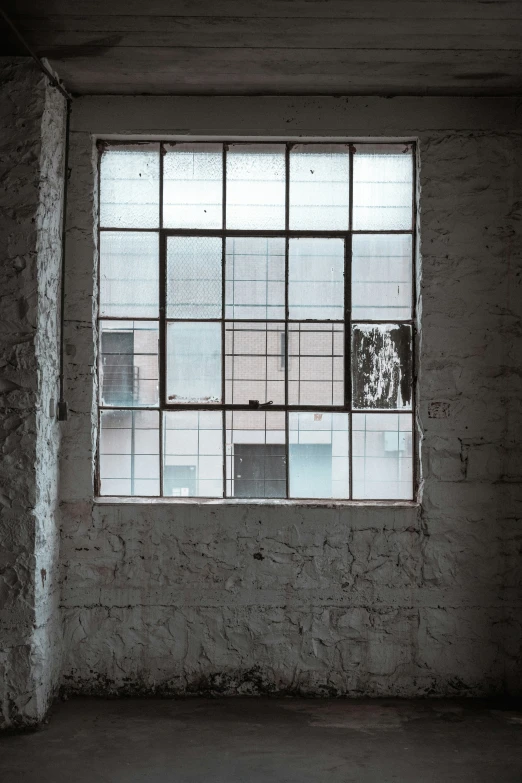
(31, 139)
(248, 598)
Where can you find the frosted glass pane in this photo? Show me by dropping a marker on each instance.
(129, 271)
(381, 365)
(255, 454)
(256, 186)
(382, 187)
(316, 279)
(318, 453)
(194, 362)
(129, 453)
(319, 187)
(192, 186)
(128, 357)
(193, 454)
(254, 362)
(315, 364)
(194, 277)
(381, 276)
(255, 277)
(382, 461)
(129, 187)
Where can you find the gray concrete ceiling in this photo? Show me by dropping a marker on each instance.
(378, 47)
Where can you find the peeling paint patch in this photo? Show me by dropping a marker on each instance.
(382, 365)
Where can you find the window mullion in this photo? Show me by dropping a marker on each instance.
(223, 295)
(287, 241)
(348, 325)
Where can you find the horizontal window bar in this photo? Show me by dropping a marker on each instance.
(217, 232)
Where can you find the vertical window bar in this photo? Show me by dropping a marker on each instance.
(161, 450)
(97, 478)
(162, 321)
(287, 242)
(414, 450)
(223, 295)
(223, 387)
(348, 323)
(162, 325)
(132, 450)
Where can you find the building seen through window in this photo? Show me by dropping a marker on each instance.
(256, 320)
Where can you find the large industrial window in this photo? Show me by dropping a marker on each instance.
(255, 320)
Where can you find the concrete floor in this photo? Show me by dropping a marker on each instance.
(259, 740)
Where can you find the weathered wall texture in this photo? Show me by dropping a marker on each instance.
(32, 145)
(354, 599)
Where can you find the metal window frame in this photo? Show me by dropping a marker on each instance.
(163, 233)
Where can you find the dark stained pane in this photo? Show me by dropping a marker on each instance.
(382, 366)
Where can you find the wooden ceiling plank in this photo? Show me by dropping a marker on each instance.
(329, 34)
(362, 9)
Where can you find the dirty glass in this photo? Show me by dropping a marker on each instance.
(129, 273)
(193, 454)
(316, 279)
(254, 362)
(382, 187)
(255, 454)
(255, 277)
(129, 187)
(194, 362)
(315, 364)
(194, 277)
(382, 456)
(129, 453)
(381, 276)
(192, 186)
(128, 357)
(318, 455)
(255, 186)
(319, 187)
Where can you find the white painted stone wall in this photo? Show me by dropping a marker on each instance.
(242, 597)
(32, 145)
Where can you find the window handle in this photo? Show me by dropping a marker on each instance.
(256, 404)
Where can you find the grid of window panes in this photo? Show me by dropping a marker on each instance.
(256, 320)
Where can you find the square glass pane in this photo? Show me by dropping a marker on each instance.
(194, 362)
(255, 277)
(128, 370)
(129, 453)
(193, 454)
(193, 186)
(319, 455)
(255, 454)
(316, 279)
(129, 272)
(256, 186)
(319, 187)
(194, 277)
(381, 276)
(381, 366)
(129, 187)
(315, 364)
(383, 187)
(382, 461)
(254, 362)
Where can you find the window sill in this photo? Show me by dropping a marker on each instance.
(140, 501)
